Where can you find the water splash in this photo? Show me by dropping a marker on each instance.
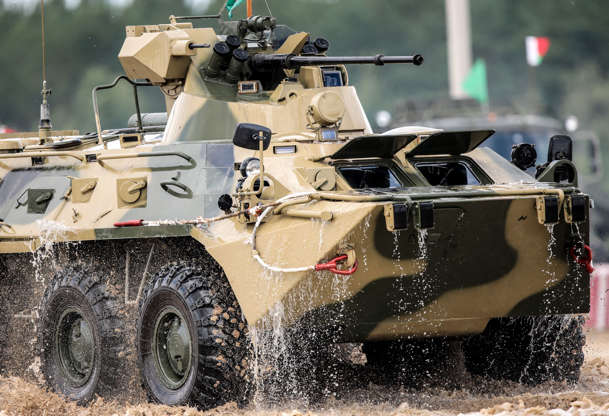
(339, 292)
(364, 250)
(578, 233)
(273, 361)
(548, 269)
(254, 336)
(422, 240)
(551, 330)
(396, 254)
(285, 347)
(43, 247)
(577, 230)
(551, 240)
(322, 226)
(44, 261)
(269, 352)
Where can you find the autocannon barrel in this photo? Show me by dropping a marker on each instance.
(263, 62)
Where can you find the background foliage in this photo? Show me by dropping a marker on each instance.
(83, 42)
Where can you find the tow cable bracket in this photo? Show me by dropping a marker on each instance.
(333, 264)
(547, 209)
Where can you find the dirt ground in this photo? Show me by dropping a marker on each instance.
(469, 396)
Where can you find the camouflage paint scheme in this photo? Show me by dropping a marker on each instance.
(486, 256)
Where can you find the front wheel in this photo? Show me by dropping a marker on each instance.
(192, 345)
(81, 336)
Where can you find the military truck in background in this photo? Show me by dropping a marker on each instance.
(266, 201)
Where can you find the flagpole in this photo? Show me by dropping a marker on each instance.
(250, 9)
(531, 90)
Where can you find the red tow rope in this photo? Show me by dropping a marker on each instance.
(332, 266)
(132, 223)
(586, 260)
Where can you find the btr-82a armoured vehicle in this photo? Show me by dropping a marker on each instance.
(265, 199)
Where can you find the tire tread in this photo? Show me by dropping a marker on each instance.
(216, 317)
(110, 325)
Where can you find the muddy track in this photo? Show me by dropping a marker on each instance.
(352, 390)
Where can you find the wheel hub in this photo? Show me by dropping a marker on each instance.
(172, 349)
(76, 347)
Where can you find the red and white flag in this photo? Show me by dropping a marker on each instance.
(537, 48)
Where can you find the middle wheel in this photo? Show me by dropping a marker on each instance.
(192, 344)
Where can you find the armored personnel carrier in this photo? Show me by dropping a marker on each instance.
(265, 199)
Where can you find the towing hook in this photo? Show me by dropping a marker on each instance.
(585, 258)
(333, 264)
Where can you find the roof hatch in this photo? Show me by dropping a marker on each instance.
(376, 145)
(451, 143)
(385, 146)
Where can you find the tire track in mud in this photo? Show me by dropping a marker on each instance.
(475, 396)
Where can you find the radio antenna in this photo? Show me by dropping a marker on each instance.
(45, 126)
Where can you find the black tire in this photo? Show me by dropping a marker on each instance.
(184, 299)
(528, 350)
(80, 336)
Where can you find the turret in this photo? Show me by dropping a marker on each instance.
(252, 71)
(252, 49)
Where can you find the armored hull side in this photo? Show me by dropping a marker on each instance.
(483, 258)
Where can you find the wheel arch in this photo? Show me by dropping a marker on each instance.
(186, 243)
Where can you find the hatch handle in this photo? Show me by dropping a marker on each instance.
(186, 191)
(44, 197)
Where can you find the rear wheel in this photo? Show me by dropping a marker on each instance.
(192, 343)
(528, 350)
(80, 336)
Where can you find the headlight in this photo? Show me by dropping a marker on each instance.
(250, 167)
(524, 155)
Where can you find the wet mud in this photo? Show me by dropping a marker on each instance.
(353, 389)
